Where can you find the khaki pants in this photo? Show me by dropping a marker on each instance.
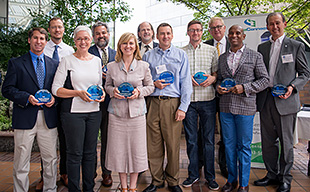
(163, 130)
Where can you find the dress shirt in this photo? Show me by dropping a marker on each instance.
(222, 45)
(234, 58)
(203, 58)
(176, 61)
(63, 49)
(143, 48)
(101, 52)
(34, 58)
(274, 56)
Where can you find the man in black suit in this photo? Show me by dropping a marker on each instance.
(286, 62)
(217, 30)
(101, 49)
(146, 37)
(25, 76)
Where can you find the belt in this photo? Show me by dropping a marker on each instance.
(161, 97)
(269, 89)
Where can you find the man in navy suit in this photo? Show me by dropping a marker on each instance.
(286, 62)
(25, 76)
(146, 37)
(101, 49)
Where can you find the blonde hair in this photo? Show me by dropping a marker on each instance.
(124, 39)
(213, 19)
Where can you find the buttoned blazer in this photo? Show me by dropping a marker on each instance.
(154, 45)
(251, 73)
(296, 73)
(21, 82)
(211, 42)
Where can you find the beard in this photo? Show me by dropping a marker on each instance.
(102, 44)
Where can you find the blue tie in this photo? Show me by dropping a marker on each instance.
(55, 54)
(40, 73)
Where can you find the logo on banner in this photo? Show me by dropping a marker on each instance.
(250, 22)
(252, 26)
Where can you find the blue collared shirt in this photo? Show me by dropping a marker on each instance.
(34, 58)
(176, 61)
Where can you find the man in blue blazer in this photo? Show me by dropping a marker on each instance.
(146, 36)
(101, 49)
(286, 63)
(25, 76)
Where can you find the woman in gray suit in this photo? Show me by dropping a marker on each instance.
(126, 145)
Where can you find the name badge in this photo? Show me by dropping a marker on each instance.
(287, 58)
(160, 69)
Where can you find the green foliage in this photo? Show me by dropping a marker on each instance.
(5, 116)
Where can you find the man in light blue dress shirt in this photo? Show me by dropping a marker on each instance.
(166, 109)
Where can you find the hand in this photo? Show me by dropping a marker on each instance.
(51, 103)
(209, 81)
(195, 84)
(116, 94)
(135, 94)
(179, 115)
(160, 85)
(221, 90)
(102, 97)
(237, 89)
(84, 95)
(34, 101)
(288, 93)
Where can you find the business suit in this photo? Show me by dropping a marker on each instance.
(211, 42)
(104, 108)
(278, 116)
(237, 111)
(154, 45)
(21, 82)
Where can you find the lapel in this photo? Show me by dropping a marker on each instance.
(225, 55)
(48, 68)
(243, 58)
(30, 68)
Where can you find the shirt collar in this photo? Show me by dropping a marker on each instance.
(150, 44)
(106, 48)
(239, 50)
(222, 41)
(192, 47)
(280, 39)
(132, 67)
(60, 45)
(34, 57)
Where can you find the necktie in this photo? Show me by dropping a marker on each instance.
(147, 48)
(55, 54)
(218, 48)
(104, 58)
(40, 73)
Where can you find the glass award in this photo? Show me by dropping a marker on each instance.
(125, 89)
(43, 96)
(167, 76)
(228, 83)
(95, 92)
(199, 77)
(104, 69)
(278, 90)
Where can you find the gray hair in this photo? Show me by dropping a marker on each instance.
(82, 28)
(97, 24)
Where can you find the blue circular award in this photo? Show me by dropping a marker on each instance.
(125, 89)
(228, 83)
(95, 92)
(167, 76)
(278, 90)
(104, 69)
(43, 96)
(199, 77)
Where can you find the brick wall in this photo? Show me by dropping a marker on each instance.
(305, 94)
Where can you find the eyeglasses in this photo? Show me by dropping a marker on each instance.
(81, 39)
(216, 27)
(193, 30)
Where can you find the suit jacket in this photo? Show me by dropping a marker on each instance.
(251, 73)
(211, 42)
(21, 82)
(111, 57)
(154, 45)
(286, 74)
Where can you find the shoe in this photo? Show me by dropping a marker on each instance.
(189, 182)
(243, 189)
(213, 185)
(133, 190)
(107, 180)
(153, 188)
(228, 187)
(123, 189)
(266, 181)
(64, 179)
(284, 187)
(175, 188)
(39, 186)
(224, 173)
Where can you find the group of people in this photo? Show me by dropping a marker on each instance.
(137, 131)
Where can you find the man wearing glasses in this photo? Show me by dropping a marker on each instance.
(202, 58)
(217, 30)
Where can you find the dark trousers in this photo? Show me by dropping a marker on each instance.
(81, 130)
(275, 129)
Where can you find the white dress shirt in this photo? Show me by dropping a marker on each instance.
(143, 48)
(274, 56)
(63, 49)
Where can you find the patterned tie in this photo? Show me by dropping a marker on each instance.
(147, 48)
(104, 58)
(55, 54)
(40, 73)
(218, 48)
